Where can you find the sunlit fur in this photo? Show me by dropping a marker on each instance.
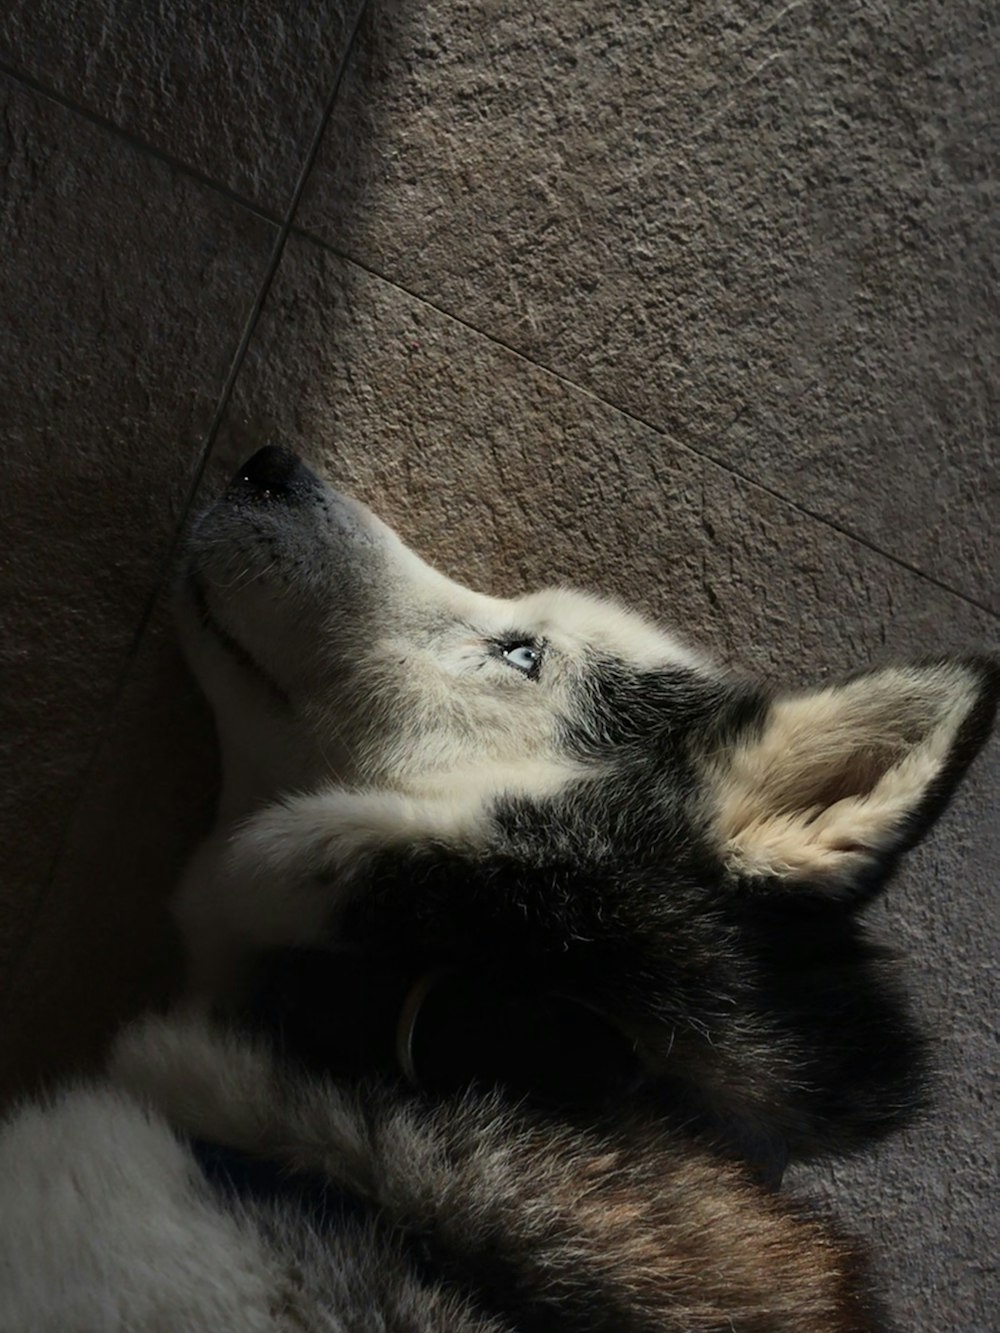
(683, 852)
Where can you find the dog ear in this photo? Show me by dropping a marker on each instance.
(829, 787)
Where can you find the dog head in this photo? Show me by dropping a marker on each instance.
(321, 638)
(554, 795)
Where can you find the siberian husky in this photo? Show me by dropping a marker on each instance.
(525, 952)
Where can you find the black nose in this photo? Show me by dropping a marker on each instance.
(272, 468)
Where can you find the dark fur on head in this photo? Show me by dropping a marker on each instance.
(758, 1007)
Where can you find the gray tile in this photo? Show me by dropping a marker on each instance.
(508, 476)
(125, 289)
(929, 1198)
(233, 90)
(779, 216)
(105, 949)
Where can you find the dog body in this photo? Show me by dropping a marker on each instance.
(536, 941)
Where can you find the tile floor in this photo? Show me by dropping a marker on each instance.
(693, 303)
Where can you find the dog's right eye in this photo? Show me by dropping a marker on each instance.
(523, 656)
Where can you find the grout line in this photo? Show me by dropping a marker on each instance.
(701, 454)
(19, 954)
(136, 141)
(288, 227)
(239, 356)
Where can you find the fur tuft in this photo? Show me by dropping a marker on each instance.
(623, 1228)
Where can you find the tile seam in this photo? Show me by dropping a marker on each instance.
(704, 456)
(136, 142)
(21, 949)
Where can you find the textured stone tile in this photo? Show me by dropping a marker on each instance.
(104, 949)
(125, 289)
(509, 478)
(234, 90)
(783, 216)
(929, 1199)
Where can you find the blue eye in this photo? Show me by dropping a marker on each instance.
(523, 656)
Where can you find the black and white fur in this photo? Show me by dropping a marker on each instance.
(544, 806)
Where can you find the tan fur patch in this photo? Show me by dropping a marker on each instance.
(836, 773)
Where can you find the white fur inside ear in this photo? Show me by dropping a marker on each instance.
(832, 778)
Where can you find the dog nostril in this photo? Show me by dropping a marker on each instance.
(272, 469)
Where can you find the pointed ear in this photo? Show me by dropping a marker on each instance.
(828, 788)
